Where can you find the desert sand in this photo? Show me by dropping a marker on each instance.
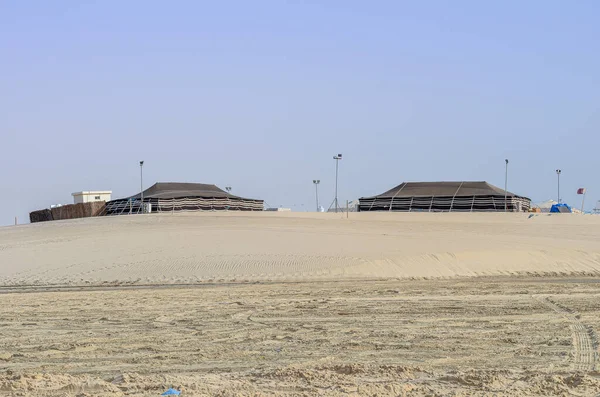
(192, 248)
(302, 304)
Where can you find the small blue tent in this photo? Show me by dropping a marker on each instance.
(171, 392)
(561, 208)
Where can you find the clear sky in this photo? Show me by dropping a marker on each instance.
(259, 95)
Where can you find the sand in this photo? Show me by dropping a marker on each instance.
(474, 337)
(302, 305)
(195, 248)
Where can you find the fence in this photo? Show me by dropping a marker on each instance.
(69, 211)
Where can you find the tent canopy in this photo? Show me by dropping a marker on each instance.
(445, 196)
(561, 208)
(175, 190)
(171, 197)
(426, 189)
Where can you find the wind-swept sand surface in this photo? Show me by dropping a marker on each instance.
(192, 248)
(302, 305)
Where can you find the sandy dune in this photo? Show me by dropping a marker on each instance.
(192, 248)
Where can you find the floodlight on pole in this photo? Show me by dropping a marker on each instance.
(142, 185)
(505, 184)
(335, 200)
(316, 182)
(558, 172)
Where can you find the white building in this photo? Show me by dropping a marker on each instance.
(87, 197)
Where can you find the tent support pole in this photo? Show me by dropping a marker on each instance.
(394, 196)
(455, 193)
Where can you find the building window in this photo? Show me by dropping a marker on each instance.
(97, 198)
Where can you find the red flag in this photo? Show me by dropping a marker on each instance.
(581, 190)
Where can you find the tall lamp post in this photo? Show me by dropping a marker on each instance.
(505, 184)
(316, 182)
(142, 185)
(335, 200)
(558, 172)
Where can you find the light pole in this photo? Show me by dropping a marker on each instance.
(505, 184)
(142, 185)
(558, 172)
(335, 200)
(316, 182)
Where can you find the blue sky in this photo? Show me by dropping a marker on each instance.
(260, 95)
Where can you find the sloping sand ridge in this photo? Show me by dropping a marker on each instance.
(191, 248)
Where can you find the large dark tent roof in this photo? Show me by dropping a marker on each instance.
(445, 196)
(171, 197)
(174, 190)
(422, 189)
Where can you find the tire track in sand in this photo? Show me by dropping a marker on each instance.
(585, 342)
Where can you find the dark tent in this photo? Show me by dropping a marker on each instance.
(170, 197)
(445, 197)
(561, 208)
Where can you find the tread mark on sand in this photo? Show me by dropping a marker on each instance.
(585, 341)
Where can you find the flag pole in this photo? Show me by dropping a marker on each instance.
(583, 201)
